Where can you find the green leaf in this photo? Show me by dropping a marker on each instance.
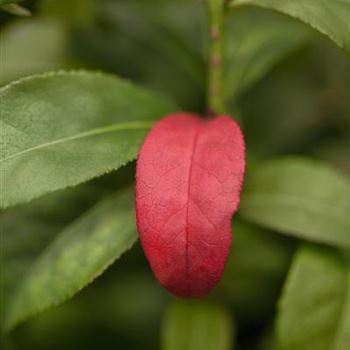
(5, 2)
(196, 325)
(252, 53)
(268, 341)
(301, 197)
(31, 46)
(334, 151)
(61, 129)
(167, 35)
(314, 311)
(79, 254)
(27, 229)
(16, 10)
(331, 18)
(255, 271)
(76, 12)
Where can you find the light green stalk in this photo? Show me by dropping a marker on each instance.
(216, 99)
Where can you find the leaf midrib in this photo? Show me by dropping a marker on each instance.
(89, 133)
(193, 151)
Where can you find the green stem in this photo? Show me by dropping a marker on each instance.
(216, 100)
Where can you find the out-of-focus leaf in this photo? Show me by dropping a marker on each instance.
(61, 129)
(3, 2)
(77, 12)
(121, 314)
(256, 41)
(16, 10)
(32, 46)
(80, 253)
(26, 230)
(169, 36)
(335, 152)
(301, 197)
(314, 311)
(255, 271)
(268, 341)
(331, 18)
(299, 102)
(196, 325)
(175, 30)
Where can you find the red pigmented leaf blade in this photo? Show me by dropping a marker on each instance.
(188, 182)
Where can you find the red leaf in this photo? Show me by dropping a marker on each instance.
(188, 182)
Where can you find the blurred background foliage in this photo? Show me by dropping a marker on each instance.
(287, 85)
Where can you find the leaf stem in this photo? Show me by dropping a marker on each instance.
(216, 100)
